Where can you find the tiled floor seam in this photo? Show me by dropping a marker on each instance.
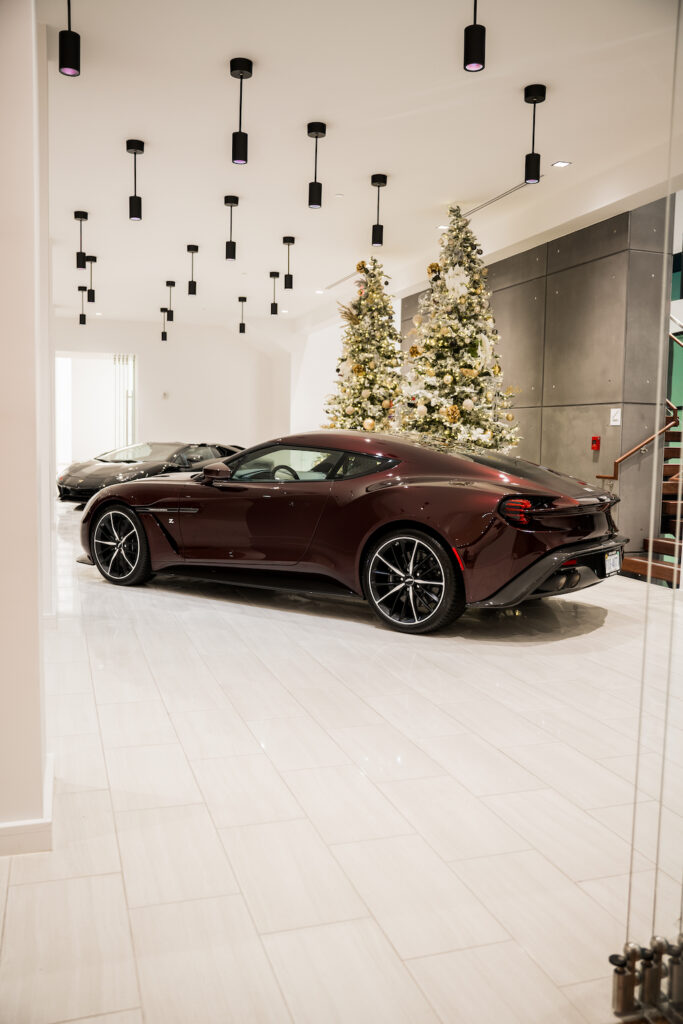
(118, 848)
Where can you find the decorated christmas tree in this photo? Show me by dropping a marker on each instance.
(453, 383)
(369, 380)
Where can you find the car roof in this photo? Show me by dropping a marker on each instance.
(358, 441)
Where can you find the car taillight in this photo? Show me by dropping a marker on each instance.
(516, 510)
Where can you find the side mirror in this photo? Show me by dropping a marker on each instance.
(217, 471)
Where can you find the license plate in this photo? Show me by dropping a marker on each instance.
(612, 562)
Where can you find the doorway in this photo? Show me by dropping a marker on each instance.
(94, 404)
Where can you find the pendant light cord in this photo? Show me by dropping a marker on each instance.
(533, 130)
(192, 265)
(80, 235)
(135, 174)
(231, 216)
(378, 204)
(475, 12)
(315, 161)
(68, 13)
(241, 83)
(288, 248)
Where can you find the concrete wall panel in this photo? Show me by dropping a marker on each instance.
(592, 243)
(644, 327)
(635, 475)
(648, 227)
(566, 440)
(585, 318)
(529, 420)
(520, 318)
(516, 269)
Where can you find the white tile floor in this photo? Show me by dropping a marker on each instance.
(269, 809)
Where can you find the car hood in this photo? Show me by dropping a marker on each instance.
(99, 473)
(522, 475)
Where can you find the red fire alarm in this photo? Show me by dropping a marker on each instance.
(595, 443)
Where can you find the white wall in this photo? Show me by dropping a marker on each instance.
(23, 809)
(203, 384)
(313, 376)
(84, 406)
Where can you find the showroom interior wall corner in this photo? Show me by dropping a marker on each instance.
(204, 383)
(25, 783)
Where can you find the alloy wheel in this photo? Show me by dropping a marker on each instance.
(116, 545)
(407, 581)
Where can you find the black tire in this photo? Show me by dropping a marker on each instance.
(117, 527)
(411, 583)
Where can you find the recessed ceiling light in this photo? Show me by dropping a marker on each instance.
(442, 227)
(562, 163)
(285, 311)
(98, 314)
(319, 291)
(339, 195)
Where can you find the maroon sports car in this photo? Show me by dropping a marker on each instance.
(421, 532)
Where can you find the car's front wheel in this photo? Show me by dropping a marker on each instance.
(119, 546)
(411, 583)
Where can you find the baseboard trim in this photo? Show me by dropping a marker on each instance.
(33, 835)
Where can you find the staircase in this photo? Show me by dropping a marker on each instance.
(664, 551)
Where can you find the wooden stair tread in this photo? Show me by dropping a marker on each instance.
(660, 570)
(671, 508)
(672, 435)
(663, 546)
(671, 469)
(670, 487)
(672, 453)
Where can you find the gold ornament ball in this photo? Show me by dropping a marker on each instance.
(369, 423)
(349, 410)
(496, 370)
(372, 365)
(448, 379)
(386, 404)
(365, 393)
(468, 405)
(489, 396)
(509, 417)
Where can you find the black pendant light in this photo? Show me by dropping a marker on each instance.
(240, 67)
(273, 306)
(192, 284)
(532, 164)
(243, 327)
(80, 216)
(135, 147)
(475, 45)
(316, 130)
(69, 48)
(163, 310)
(81, 316)
(91, 291)
(288, 240)
(378, 181)
(231, 247)
(169, 312)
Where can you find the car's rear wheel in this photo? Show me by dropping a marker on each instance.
(411, 583)
(119, 546)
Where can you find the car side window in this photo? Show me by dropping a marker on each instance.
(284, 464)
(359, 464)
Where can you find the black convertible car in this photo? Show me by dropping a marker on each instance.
(81, 480)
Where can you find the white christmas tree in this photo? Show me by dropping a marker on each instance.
(453, 383)
(369, 381)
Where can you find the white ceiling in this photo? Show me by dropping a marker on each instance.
(387, 78)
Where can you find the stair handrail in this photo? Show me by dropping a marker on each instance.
(671, 421)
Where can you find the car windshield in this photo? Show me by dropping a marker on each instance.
(144, 452)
